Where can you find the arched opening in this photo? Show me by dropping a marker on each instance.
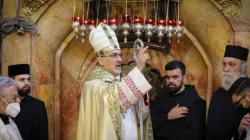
(81, 58)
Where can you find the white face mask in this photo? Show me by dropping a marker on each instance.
(12, 109)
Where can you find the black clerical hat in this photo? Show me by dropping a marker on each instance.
(236, 52)
(18, 69)
(238, 84)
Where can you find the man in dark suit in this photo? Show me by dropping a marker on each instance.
(32, 121)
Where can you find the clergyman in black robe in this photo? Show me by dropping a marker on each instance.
(190, 122)
(32, 121)
(223, 118)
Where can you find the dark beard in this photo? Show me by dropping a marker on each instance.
(175, 89)
(24, 92)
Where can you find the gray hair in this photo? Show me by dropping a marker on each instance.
(5, 81)
(243, 68)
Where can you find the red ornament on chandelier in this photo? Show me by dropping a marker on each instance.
(92, 22)
(113, 21)
(84, 22)
(150, 21)
(102, 20)
(172, 22)
(91, 25)
(81, 22)
(76, 18)
(180, 23)
(138, 20)
(126, 18)
(161, 22)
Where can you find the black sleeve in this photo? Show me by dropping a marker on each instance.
(157, 115)
(158, 118)
(243, 136)
(42, 123)
(195, 123)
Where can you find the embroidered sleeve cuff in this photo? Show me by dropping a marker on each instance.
(131, 88)
(140, 81)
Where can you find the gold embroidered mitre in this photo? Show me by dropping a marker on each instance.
(103, 39)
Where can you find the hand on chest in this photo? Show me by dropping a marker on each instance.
(173, 102)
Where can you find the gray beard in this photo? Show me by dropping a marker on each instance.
(228, 78)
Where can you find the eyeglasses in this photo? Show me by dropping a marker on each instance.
(240, 100)
(238, 103)
(114, 55)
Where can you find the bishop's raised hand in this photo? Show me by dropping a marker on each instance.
(142, 58)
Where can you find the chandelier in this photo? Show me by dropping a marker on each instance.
(19, 24)
(130, 24)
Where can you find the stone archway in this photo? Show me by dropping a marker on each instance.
(81, 58)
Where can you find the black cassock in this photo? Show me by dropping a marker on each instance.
(191, 127)
(32, 121)
(223, 117)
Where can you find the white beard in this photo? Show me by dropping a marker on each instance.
(228, 78)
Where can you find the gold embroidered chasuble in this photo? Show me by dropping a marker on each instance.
(104, 98)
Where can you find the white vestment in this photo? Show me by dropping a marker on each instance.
(9, 131)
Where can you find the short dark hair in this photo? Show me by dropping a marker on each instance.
(240, 86)
(175, 64)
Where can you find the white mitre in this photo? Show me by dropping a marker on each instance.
(103, 39)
